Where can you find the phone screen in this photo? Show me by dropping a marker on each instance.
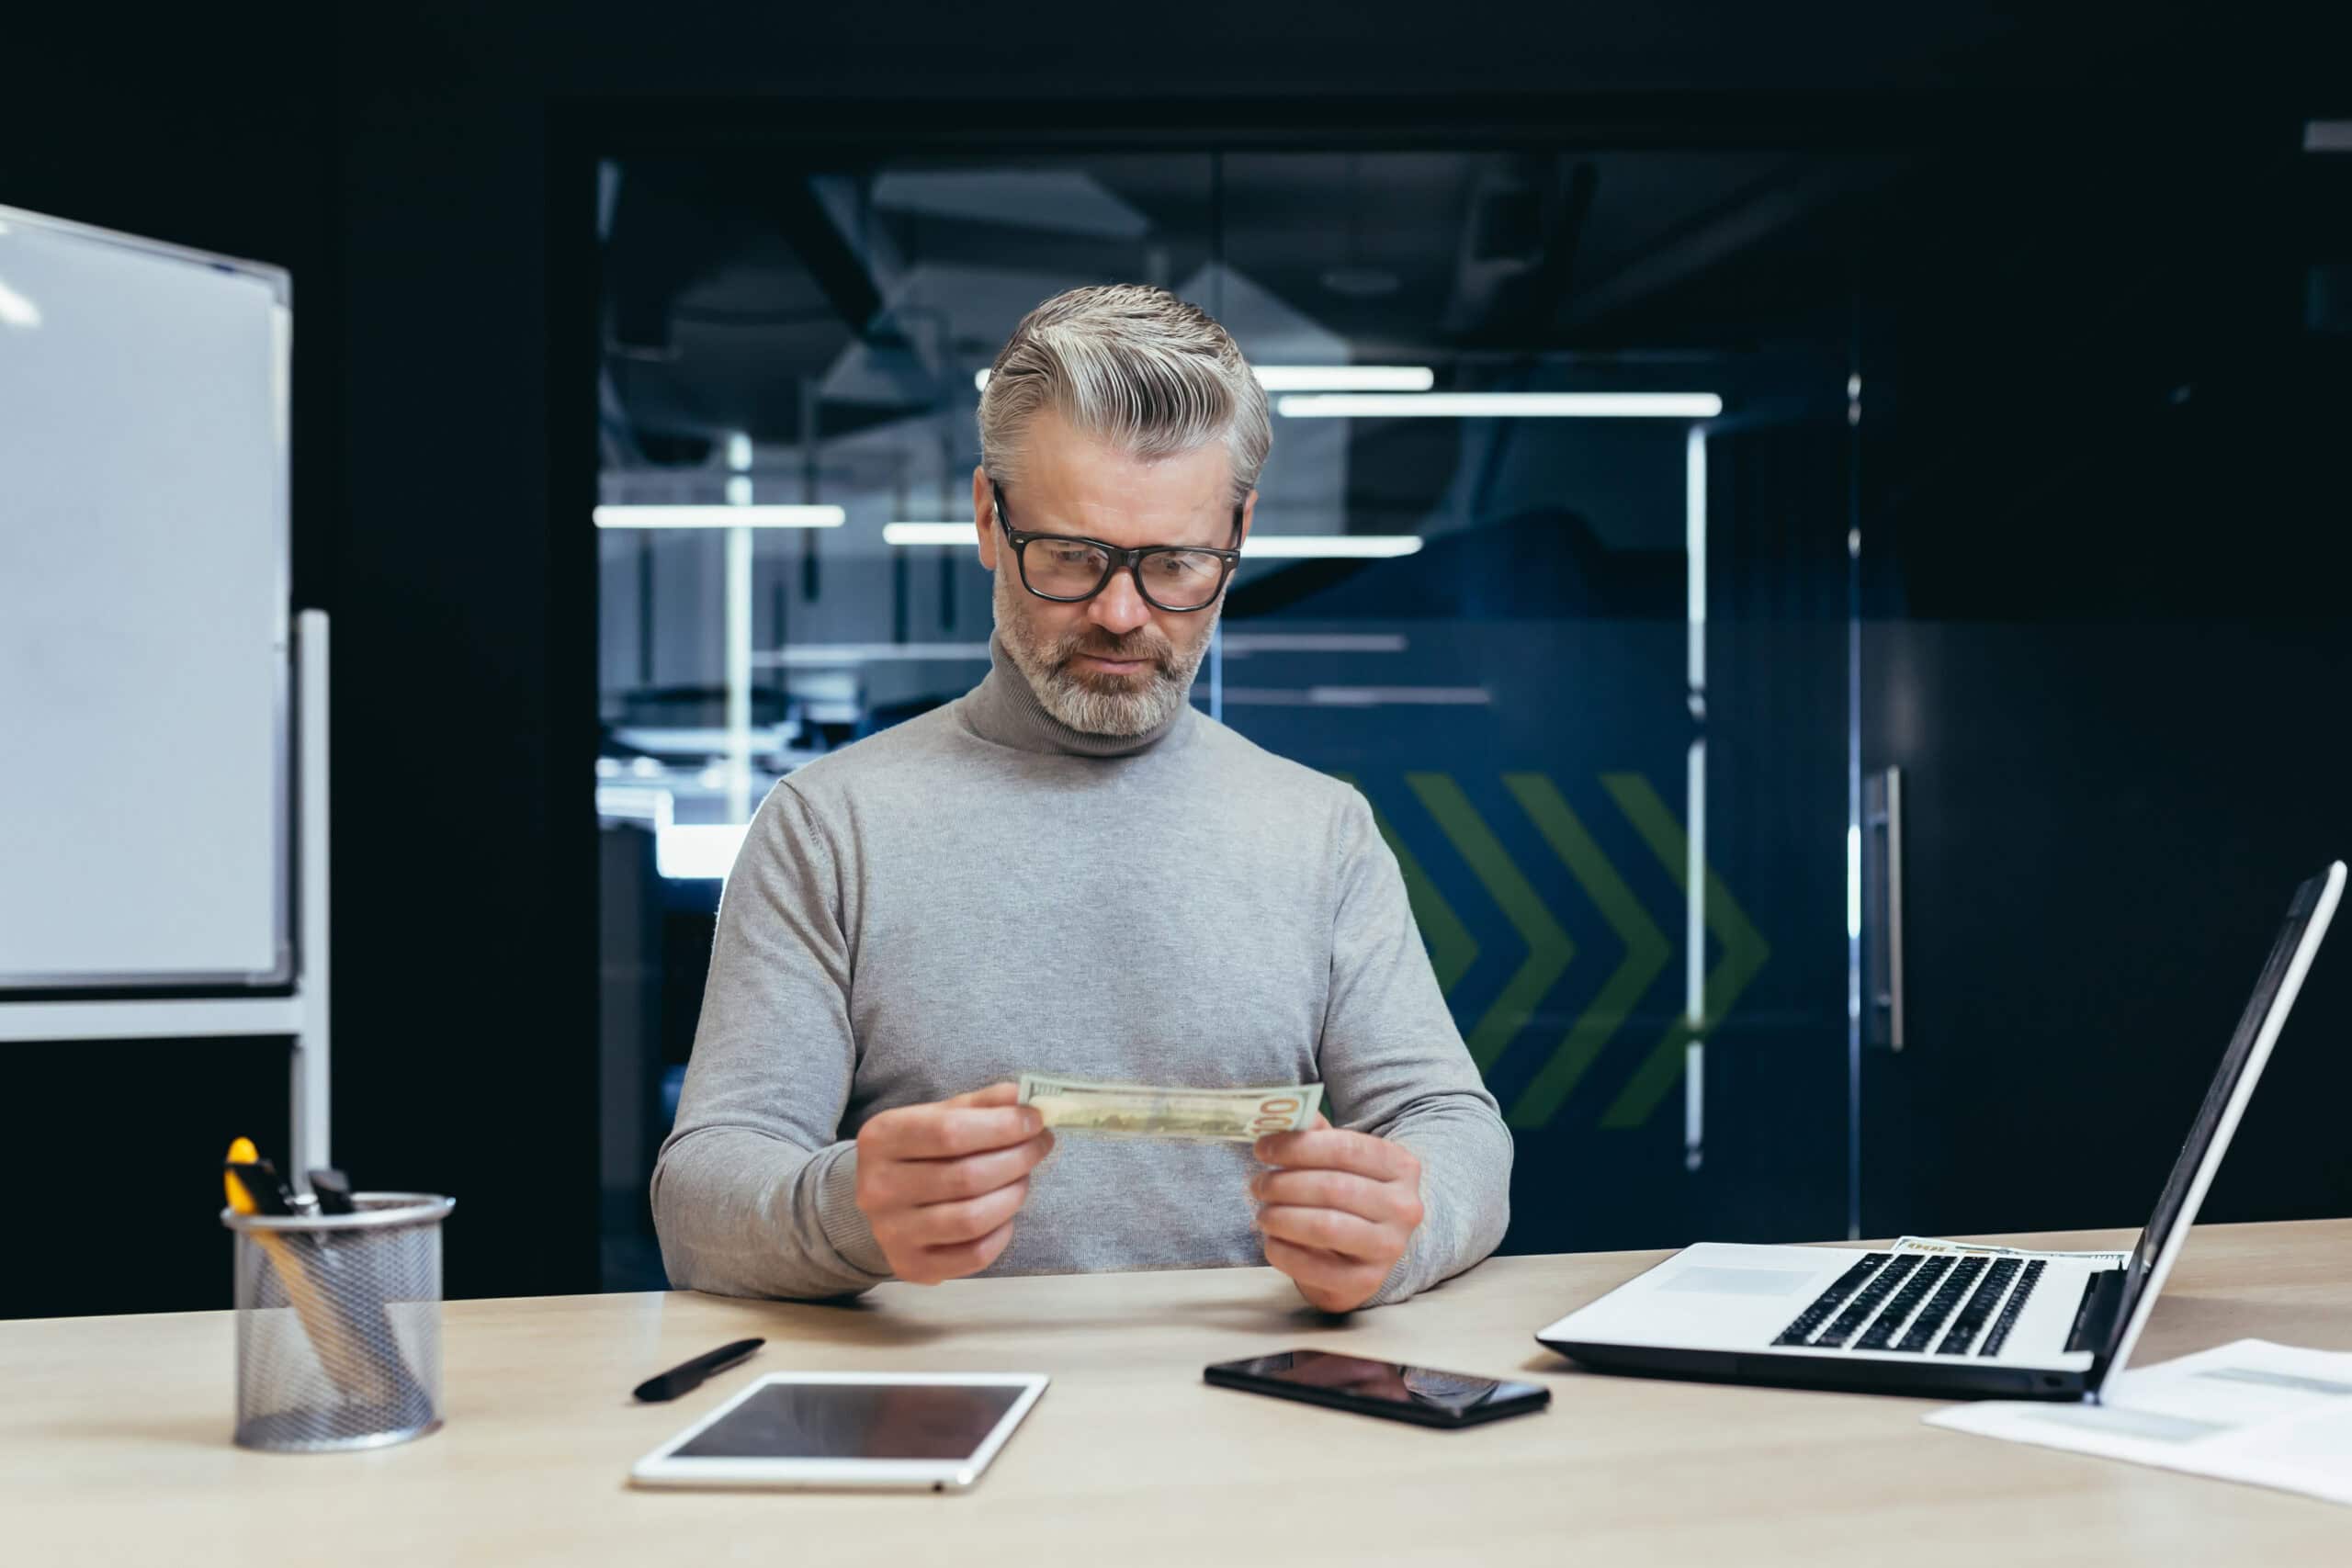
(1384, 1383)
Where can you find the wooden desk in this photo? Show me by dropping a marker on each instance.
(114, 1439)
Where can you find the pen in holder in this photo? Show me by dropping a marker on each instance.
(339, 1324)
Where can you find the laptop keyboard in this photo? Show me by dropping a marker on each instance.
(1921, 1302)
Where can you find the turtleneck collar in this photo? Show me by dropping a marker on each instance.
(1004, 709)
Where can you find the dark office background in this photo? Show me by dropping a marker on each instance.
(2103, 634)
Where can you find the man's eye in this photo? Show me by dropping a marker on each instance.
(1183, 567)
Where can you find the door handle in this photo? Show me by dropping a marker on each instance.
(1882, 908)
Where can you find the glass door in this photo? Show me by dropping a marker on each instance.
(1581, 638)
(1551, 562)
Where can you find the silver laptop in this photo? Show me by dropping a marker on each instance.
(1942, 1324)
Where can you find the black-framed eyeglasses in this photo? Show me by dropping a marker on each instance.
(1069, 569)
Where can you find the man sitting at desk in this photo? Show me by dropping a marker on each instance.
(1070, 870)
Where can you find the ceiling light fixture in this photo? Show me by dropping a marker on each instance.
(1325, 377)
(719, 516)
(1346, 378)
(913, 533)
(1268, 546)
(1330, 546)
(1502, 405)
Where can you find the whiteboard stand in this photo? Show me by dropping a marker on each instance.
(300, 1018)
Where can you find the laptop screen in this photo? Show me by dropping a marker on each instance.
(2232, 1085)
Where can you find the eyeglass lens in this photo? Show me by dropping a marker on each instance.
(1071, 569)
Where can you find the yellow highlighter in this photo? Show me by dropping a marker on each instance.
(341, 1349)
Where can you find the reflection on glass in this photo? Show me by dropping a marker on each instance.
(1534, 568)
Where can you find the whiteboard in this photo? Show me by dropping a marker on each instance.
(145, 791)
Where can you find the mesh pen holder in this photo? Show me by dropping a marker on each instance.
(339, 1325)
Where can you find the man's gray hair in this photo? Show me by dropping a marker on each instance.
(1133, 366)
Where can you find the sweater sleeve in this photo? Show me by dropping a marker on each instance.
(1395, 1066)
(754, 1193)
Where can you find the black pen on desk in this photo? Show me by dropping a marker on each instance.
(688, 1376)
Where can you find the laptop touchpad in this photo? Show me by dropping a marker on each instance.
(1713, 1281)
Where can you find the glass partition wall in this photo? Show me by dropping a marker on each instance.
(1551, 561)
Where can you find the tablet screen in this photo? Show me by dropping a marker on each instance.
(856, 1420)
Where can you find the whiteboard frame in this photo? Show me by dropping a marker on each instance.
(286, 939)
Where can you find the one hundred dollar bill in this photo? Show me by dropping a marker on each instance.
(1140, 1111)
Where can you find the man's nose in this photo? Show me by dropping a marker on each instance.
(1118, 609)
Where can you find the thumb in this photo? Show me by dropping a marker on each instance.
(994, 1095)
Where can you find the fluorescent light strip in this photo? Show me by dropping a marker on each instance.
(1359, 697)
(834, 655)
(1346, 378)
(1266, 546)
(1327, 547)
(1502, 405)
(1324, 378)
(912, 533)
(1241, 645)
(720, 517)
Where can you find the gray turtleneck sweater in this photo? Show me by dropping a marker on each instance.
(983, 891)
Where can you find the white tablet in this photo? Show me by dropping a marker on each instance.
(912, 1431)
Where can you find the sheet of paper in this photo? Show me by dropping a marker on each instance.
(1978, 1249)
(2264, 1413)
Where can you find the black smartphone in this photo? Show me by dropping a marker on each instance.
(1390, 1389)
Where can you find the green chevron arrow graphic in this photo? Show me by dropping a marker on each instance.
(1452, 947)
(1745, 951)
(1549, 950)
(1647, 949)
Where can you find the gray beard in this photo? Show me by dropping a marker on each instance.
(1088, 709)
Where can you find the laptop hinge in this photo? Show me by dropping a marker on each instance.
(2095, 1315)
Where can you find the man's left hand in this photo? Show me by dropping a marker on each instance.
(1339, 1210)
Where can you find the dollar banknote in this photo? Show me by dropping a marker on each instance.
(1141, 1110)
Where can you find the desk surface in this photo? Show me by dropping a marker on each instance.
(114, 1439)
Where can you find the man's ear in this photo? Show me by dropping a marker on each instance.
(984, 518)
(1249, 515)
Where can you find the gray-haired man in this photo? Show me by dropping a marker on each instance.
(1070, 870)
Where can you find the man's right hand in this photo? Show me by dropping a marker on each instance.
(940, 1183)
